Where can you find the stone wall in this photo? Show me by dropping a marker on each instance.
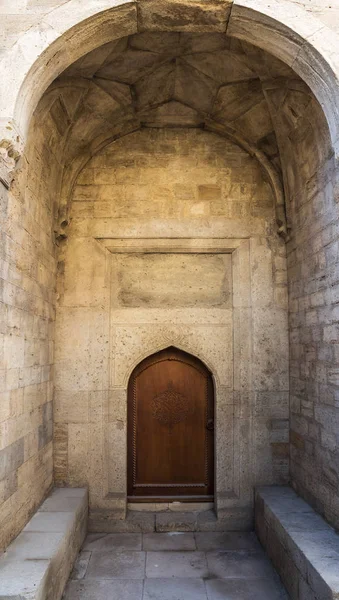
(20, 15)
(203, 203)
(27, 315)
(313, 252)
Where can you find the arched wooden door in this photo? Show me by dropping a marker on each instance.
(170, 429)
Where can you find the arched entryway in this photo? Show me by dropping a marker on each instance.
(170, 429)
(88, 388)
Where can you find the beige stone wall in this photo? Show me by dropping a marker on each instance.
(313, 253)
(180, 189)
(27, 315)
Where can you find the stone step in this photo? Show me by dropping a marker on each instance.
(148, 522)
(302, 546)
(37, 564)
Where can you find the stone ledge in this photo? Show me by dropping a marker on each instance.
(37, 564)
(235, 519)
(302, 546)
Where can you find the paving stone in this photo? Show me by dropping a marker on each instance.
(170, 574)
(116, 565)
(172, 540)
(177, 564)
(114, 541)
(174, 589)
(242, 564)
(211, 540)
(245, 589)
(103, 590)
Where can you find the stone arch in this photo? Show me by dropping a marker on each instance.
(177, 345)
(72, 30)
(269, 171)
(286, 31)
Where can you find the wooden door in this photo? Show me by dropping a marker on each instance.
(170, 429)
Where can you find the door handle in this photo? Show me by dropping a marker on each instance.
(210, 425)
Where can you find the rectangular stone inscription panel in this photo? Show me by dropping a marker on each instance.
(172, 280)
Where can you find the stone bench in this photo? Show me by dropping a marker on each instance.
(37, 564)
(302, 546)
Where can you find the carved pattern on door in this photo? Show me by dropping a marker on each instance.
(170, 407)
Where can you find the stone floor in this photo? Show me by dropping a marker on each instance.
(173, 566)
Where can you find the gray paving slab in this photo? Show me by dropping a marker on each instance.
(116, 564)
(104, 590)
(174, 589)
(175, 540)
(177, 564)
(245, 589)
(238, 565)
(173, 566)
(114, 541)
(227, 541)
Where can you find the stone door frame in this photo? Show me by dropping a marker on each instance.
(233, 429)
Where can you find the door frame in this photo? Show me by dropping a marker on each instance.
(210, 456)
(230, 359)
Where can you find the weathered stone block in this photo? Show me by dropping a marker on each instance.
(118, 522)
(11, 458)
(194, 15)
(176, 521)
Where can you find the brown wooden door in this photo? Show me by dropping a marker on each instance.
(170, 429)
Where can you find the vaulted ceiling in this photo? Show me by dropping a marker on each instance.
(173, 80)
